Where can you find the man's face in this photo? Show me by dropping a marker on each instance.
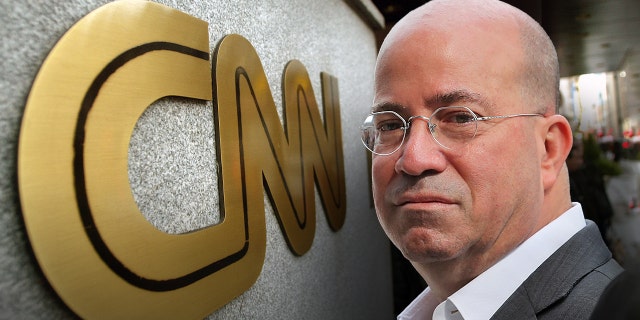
(474, 202)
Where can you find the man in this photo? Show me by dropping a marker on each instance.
(469, 174)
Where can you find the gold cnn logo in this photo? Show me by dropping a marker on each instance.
(95, 247)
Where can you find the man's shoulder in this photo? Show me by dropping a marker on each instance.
(621, 298)
(583, 297)
(568, 284)
(582, 264)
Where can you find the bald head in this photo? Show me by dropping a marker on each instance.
(494, 30)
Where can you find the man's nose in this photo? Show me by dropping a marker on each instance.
(419, 151)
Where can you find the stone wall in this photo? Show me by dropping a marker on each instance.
(345, 275)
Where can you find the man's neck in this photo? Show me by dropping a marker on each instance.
(446, 277)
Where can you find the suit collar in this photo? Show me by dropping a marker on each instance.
(557, 276)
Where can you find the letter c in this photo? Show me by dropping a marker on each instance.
(85, 228)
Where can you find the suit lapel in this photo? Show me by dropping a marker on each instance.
(557, 276)
(518, 306)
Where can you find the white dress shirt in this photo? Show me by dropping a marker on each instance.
(483, 296)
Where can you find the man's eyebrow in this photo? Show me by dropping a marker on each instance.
(441, 99)
(449, 98)
(387, 106)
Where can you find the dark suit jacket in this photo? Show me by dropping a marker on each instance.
(568, 284)
(621, 299)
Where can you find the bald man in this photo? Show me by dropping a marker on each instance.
(469, 174)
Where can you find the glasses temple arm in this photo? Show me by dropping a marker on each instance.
(509, 116)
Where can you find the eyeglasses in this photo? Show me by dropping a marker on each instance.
(451, 127)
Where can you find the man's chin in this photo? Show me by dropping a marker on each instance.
(423, 246)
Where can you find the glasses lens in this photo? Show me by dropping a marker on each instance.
(383, 132)
(452, 127)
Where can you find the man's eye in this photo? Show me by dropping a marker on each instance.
(458, 117)
(389, 125)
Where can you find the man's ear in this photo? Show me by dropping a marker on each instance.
(558, 140)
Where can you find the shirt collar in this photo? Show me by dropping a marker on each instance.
(421, 307)
(484, 295)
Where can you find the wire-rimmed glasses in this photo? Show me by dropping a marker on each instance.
(451, 127)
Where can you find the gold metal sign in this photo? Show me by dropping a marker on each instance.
(95, 247)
